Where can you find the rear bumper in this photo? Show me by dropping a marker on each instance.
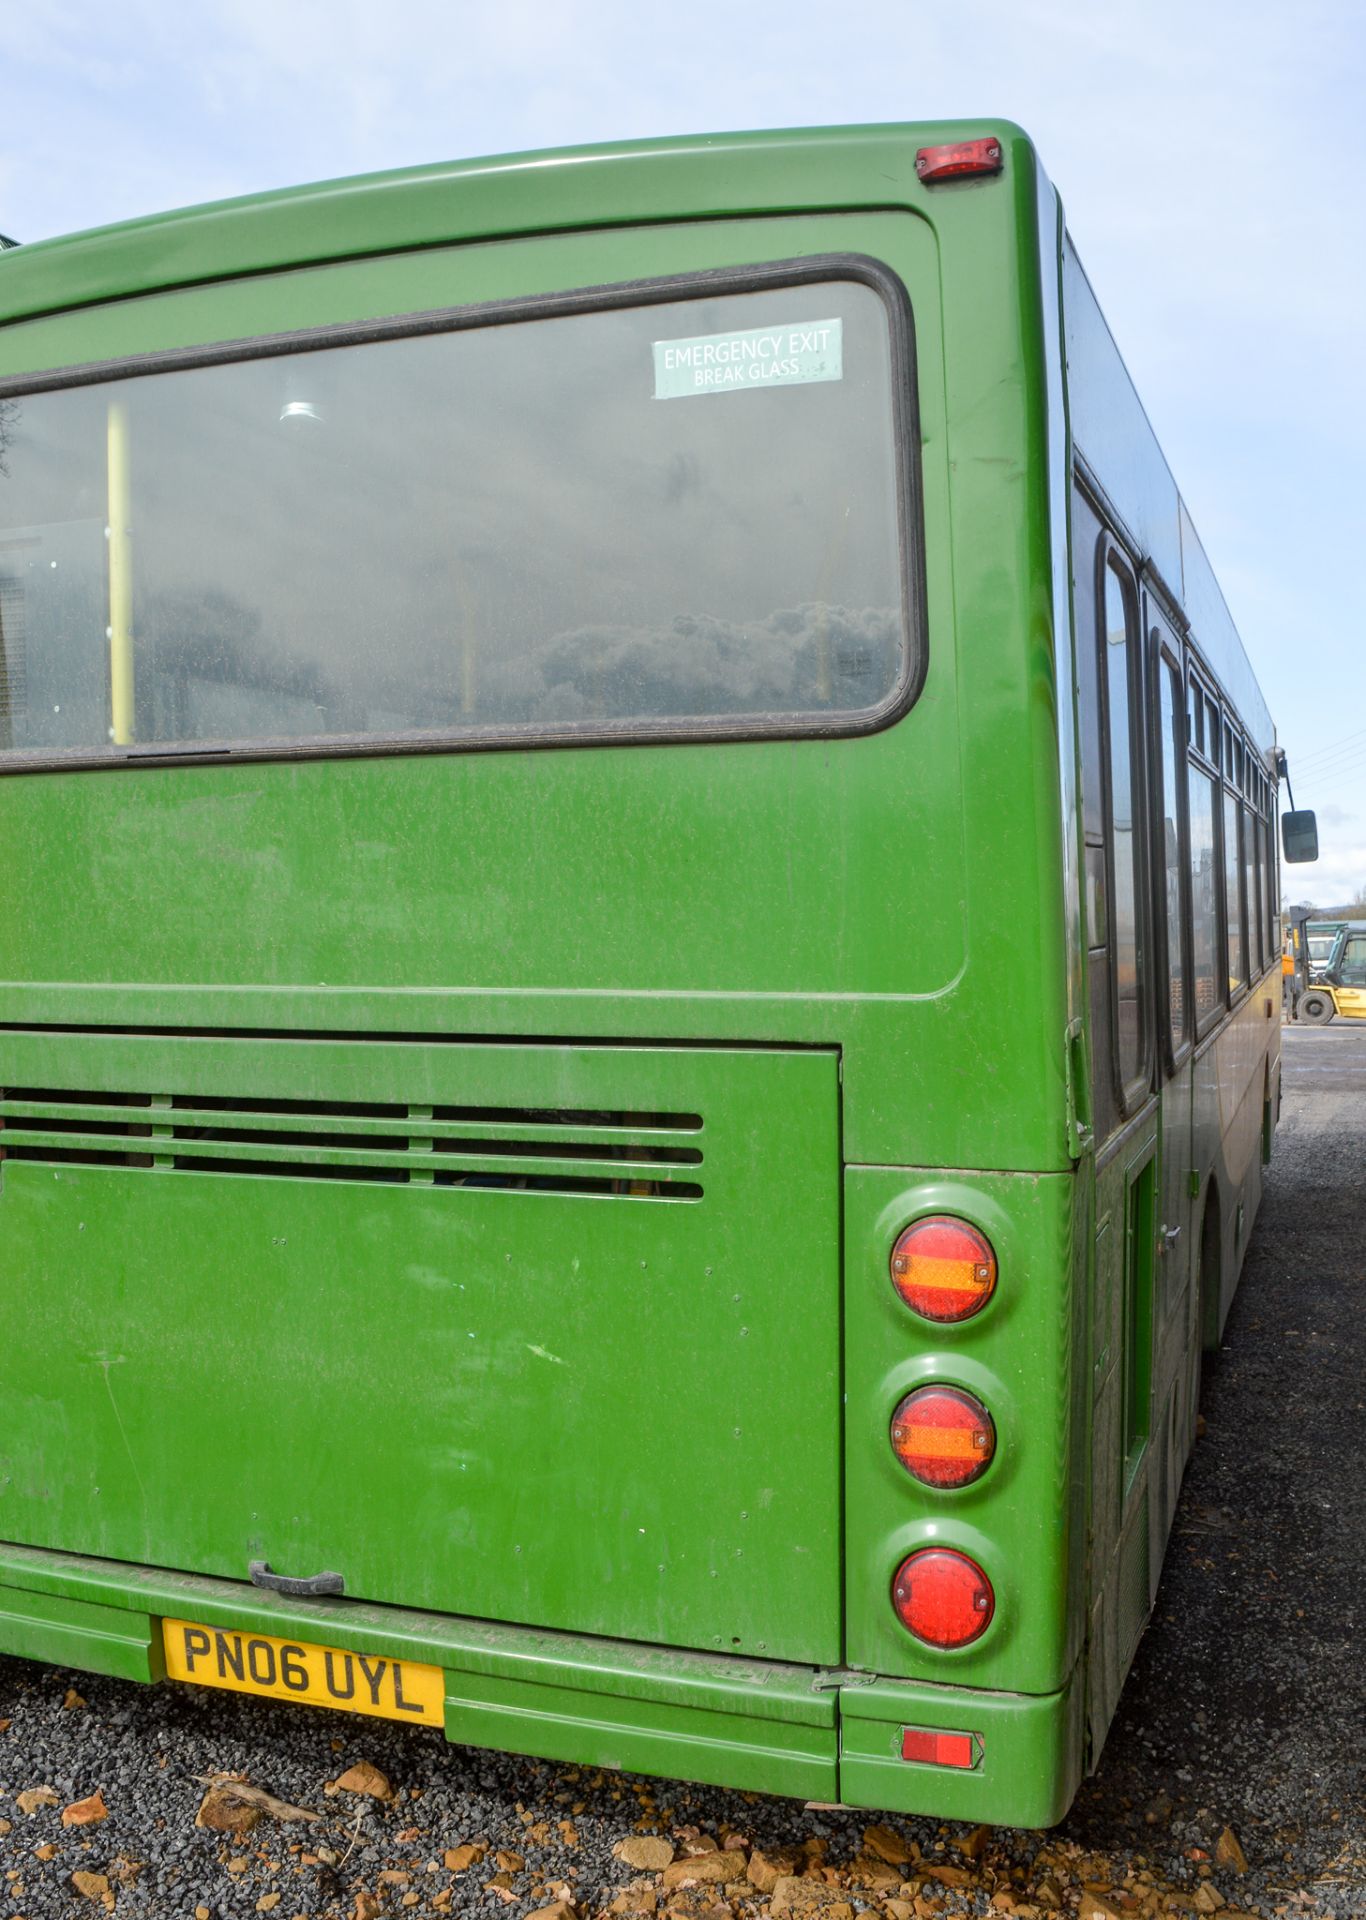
(758, 1725)
(1030, 1750)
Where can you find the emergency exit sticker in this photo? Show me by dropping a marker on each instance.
(780, 356)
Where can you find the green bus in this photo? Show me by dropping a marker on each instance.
(538, 1197)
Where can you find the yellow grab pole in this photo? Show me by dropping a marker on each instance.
(120, 583)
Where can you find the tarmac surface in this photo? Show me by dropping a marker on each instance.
(1233, 1781)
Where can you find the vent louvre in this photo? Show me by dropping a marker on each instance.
(632, 1155)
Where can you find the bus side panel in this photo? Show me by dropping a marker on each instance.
(1118, 1548)
(1233, 1085)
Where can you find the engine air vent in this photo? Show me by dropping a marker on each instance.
(638, 1156)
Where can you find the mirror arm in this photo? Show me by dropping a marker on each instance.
(1283, 772)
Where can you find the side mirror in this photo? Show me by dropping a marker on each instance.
(1299, 837)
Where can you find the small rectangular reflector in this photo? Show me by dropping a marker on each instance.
(952, 163)
(935, 1749)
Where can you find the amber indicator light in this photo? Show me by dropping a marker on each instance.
(943, 1268)
(943, 1597)
(943, 1436)
(957, 162)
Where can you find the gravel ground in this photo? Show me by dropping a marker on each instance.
(1244, 1712)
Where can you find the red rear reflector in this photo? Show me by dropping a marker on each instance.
(943, 1268)
(952, 163)
(942, 1597)
(943, 1436)
(934, 1749)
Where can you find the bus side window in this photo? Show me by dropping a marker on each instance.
(1172, 828)
(1086, 543)
(1124, 794)
(1088, 546)
(1201, 803)
(1252, 892)
(1235, 918)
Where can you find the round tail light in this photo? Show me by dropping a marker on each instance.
(942, 1597)
(943, 1268)
(943, 1436)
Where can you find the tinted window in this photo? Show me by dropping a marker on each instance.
(1171, 747)
(1119, 646)
(1233, 896)
(676, 513)
(1209, 992)
(1086, 538)
(1252, 892)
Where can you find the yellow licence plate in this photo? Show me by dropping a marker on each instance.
(299, 1670)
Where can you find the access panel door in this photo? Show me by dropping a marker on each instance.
(531, 1333)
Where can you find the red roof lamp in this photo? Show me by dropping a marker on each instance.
(965, 157)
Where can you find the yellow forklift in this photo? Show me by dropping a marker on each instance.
(1337, 989)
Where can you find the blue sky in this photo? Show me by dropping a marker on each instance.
(1211, 155)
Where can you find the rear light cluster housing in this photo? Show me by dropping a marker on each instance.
(943, 1597)
(943, 1437)
(944, 1269)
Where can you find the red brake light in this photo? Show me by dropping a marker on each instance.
(935, 1749)
(942, 1597)
(943, 1437)
(943, 1268)
(965, 157)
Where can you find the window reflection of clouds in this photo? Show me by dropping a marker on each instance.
(1204, 879)
(488, 527)
(1233, 909)
(1172, 749)
(1119, 635)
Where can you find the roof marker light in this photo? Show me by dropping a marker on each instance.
(958, 161)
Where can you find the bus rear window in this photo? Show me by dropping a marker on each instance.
(647, 516)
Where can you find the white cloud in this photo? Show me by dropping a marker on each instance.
(1338, 874)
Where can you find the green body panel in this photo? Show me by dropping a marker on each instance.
(313, 1345)
(1236, 1081)
(1122, 1483)
(723, 1745)
(78, 1633)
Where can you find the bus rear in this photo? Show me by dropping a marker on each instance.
(535, 1197)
